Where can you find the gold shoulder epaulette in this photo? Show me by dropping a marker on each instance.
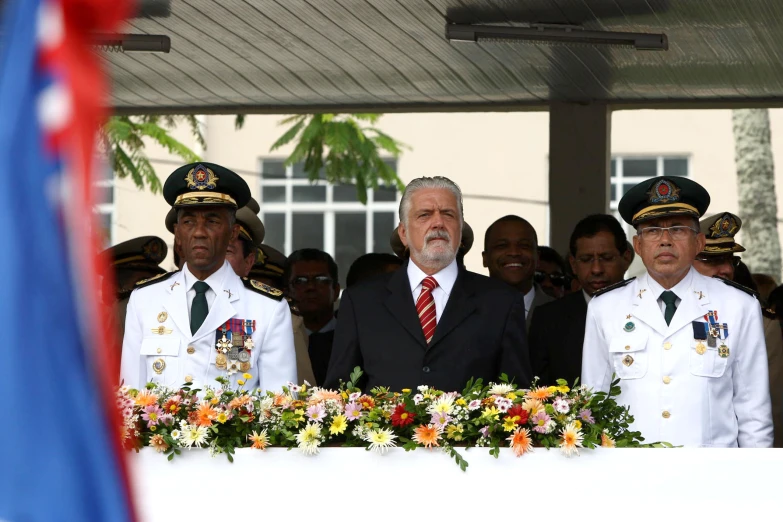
(613, 287)
(738, 286)
(154, 279)
(263, 289)
(768, 312)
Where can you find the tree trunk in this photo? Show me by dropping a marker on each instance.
(758, 206)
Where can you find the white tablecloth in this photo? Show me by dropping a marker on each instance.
(349, 484)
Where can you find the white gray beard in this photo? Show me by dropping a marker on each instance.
(433, 259)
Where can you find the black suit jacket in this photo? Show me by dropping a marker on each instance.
(319, 347)
(480, 334)
(556, 338)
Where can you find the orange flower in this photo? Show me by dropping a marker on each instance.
(427, 435)
(172, 406)
(520, 441)
(325, 395)
(540, 393)
(281, 400)
(158, 443)
(607, 441)
(146, 398)
(205, 414)
(367, 403)
(260, 440)
(238, 402)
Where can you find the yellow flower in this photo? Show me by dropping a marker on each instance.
(462, 402)
(578, 424)
(369, 425)
(406, 390)
(299, 415)
(246, 376)
(339, 424)
(552, 389)
(240, 382)
(563, 389)
(222, 417)
(303, 388)
(511, 396)
(214, 400)
(490, 413)
(153, 428)
(510, 424)
(454, 431)
(344, 395)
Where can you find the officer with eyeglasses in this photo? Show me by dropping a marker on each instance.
(718, 259)
(688, 349)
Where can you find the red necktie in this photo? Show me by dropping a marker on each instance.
(425, 307)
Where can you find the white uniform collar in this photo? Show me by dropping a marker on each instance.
(215, 281)
(445, 278)
(681, 289)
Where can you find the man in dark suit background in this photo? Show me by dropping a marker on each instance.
(430, 322)
(599, 256)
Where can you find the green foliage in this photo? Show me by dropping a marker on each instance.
(123, 140)
(346, 150)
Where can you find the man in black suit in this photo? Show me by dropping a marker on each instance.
(430, 322)
(599, 258)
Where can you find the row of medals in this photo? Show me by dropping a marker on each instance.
(701, 348)
(233, 351)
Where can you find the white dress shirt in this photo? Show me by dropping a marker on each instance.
(214, 281)
(445, 278)
(529, 299)
(587, 297)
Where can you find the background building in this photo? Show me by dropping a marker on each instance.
(498, 159)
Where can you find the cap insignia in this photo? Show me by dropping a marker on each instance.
(201, 178)
(260, 257)
(725, 226)
(152, 251)
(664, 192)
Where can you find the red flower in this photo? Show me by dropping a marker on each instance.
(519, 412)
(401, 417)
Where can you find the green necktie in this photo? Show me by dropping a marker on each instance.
(669, 298)
(199, 308)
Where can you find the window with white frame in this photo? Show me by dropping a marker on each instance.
(300, 214)
(104, 204)
(628, 171)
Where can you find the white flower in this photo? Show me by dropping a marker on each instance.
(309, 438)
(380, 440)
(194, 435)
(418, 398)
(354, 396)
(175, 434)
(500, 389)
(443, 404)
(560, 405)
(423, 388)
(474, 405)
(295, 389)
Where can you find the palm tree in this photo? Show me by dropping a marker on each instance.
(758, 205)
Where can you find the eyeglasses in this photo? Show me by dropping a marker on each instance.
(319, 280)
(677, 233)
(720, 260)
(556, 279)
(601, 258)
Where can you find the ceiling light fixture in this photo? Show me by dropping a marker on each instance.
(120, 43)
(555, 34)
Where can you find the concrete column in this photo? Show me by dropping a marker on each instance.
(579, 156)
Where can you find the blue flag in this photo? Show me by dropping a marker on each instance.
(58, 457)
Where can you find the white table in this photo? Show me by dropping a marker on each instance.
(349, 484)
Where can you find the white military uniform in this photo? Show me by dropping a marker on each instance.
(188, 357)
(675, 393)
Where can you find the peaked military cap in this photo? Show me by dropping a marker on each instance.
(250, 226)
(661, 197)
(401, 250)
(205, 184)
(720, 230)
(145, 253)
(270, 264)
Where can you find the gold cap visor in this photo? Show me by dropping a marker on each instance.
(672, 209)
(204, 198)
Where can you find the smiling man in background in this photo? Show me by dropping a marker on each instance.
(511, 255)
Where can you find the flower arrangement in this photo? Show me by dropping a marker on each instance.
(308, 418)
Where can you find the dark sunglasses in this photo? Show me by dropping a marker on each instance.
(556, 279)
(319, 280)
(720, 260)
